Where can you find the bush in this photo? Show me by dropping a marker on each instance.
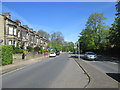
(30, 49)
(37, 49)
(6, 52)
(41, 50)
(17, 50)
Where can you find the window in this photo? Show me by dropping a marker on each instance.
(27, 36)
(19, 34)
(10, 42)
(41, 41)
(37, 40)
(14, 43)
(11, 30)
(14, 31)
(24, 35)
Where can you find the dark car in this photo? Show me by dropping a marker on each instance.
(75, 52)
(57, 53)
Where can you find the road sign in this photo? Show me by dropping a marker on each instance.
(50, 48)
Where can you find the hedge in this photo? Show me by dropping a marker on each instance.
(6, 53)
(30, 49)
(17, 50)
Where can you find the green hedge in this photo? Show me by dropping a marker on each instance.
(6, 53)
(17, 50)
(29, 48)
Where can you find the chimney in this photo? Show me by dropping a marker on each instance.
(7, 14)
(18, 22)
(25, 26)
(30, 29)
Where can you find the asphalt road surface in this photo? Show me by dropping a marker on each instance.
(105, 66)
(59, 72)
(108, 67)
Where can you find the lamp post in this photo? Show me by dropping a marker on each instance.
(78, 44)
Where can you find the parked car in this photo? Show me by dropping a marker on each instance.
(52, 54)
(75, 52)
(90, 56)
(57, 53)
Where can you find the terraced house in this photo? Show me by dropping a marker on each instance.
(13, 33)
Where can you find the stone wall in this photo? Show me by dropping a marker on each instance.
(18, 57)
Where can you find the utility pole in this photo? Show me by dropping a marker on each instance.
(78, 50)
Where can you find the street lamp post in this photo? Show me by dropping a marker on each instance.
(79, 50)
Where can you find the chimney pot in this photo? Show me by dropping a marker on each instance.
(7, 14)
(18, 22)
(25, 26)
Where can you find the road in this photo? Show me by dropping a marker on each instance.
(59, 72)
(107, 66)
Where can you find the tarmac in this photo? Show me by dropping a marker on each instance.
(21, 64)
(97, 79)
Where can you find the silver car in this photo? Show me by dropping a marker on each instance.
(90, 56)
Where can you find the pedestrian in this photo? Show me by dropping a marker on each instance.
(23, 55)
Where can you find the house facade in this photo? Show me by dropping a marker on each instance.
(13, 33)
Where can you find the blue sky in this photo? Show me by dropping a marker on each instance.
(67, 17)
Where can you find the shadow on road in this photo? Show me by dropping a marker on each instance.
(73, 57)
(115, 76)
(82, 57)
(99, 58)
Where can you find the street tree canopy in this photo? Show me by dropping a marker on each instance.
(94, 36)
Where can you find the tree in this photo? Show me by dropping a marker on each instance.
(56, 41)
(44, 34)
(57, 37)
(94, 36)
(118, 8)
(114, 38)
(68, 46)
(115, 29)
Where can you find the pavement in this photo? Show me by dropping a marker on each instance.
(21, 64)
(57, 72)
(98, 79)
(64, 71)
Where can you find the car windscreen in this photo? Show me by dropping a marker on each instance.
(90, 53)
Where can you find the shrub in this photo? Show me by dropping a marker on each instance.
(17, 50)
(30, 49)
(41, 50)
(6, 52)
(37, 49)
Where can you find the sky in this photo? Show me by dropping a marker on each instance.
(66, 17)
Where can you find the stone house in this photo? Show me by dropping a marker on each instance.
(13, 33)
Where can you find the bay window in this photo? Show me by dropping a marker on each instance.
(10, 30)
(10, 42)
(15, 31)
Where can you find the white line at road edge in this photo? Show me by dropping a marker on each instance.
(6, 73)
(14, 70)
